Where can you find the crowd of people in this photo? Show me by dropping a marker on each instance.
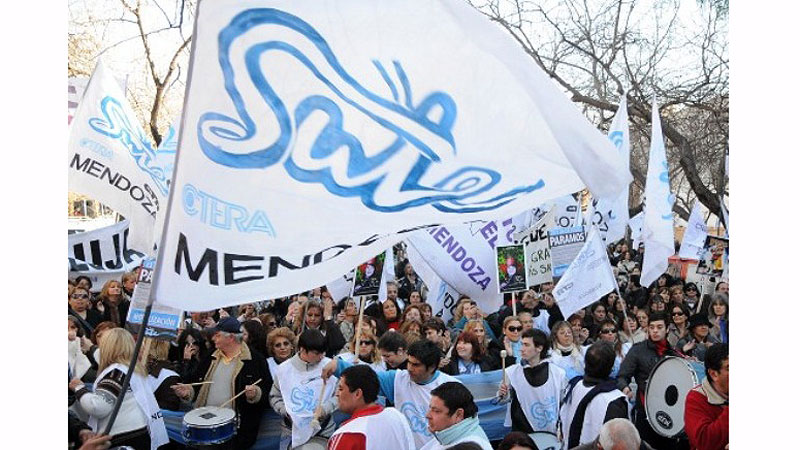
(391, 378)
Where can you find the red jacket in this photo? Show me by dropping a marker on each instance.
(353, 441)
(706, 418)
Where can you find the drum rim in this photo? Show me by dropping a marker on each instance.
(647, 392)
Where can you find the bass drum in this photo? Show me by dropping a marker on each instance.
(669, 383)
(545, 441)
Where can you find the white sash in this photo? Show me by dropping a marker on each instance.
(163, 374)
(539, 404)
(595, 412)
(388, 426)
(413, 400)
(146, 401)
(273, 367)
(300, 393)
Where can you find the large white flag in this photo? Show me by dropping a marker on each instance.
(112, 160)
(657, 231)
(441, 296)
(388, 272)
(588, 277)
(694, 238)
(314, 133)
(611, 214)
(636, 222)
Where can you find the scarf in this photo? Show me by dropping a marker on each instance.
(661, 347)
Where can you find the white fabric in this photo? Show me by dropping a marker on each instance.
(273, 367)
(348, 118)
(574, 362)
(163, 374)
(379, 366)
(413, 400)
(540, 404)
(611, 213)
(78, 362)
(147, 402)
(657, 230)
(388, 273)
(301, 395)
(566, 210)
(587, 279)
(112, 160)
(595, 412)
(387, 427)
(694, 238)
(541, 322)
(636, 223)
(102, 254)
(434, 444)
(537, 249)
(441, 296)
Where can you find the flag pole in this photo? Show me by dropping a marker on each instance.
(514, 303)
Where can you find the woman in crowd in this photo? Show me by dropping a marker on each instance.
(627, 263)
(512, 330)
(78, 363)
(412, 312)
(411, 330)
(599, 312)
(368, 351)
(468, 356)
(347, 317)
(458, 312)
(427, 312)
(246, 312)
(93, 353)
(414, 298)
(390, 314)
(255, 337)
(657, 304)
(79, 307)
(313, 314)
(699, 338)
(161, 376)
(679, 324)
(138, 424)
(691, 295)
(631, 332)
(580, 334)
(192, 349)
(269, 321)
(619, 310)
(565, 352)
(129, 283)
(718, 316)
(608, 332)
(114, 302)
(609, 300)
(280, 343)
(676, 295)
(85, 282)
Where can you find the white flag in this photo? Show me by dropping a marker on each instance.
(657, 231)
(588, 277)
(441, 296)
(611, 214)
(112, 160)
(388, 272)
(567, 211)
(316, 133)
(636, 222)
(694, 238)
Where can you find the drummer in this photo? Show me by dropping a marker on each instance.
(233, 368)
(638, 364)
(535, 390)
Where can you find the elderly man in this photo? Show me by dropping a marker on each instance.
(233, 368)
(706, 410)
(617, 434)
(594, 400)
(370, 425)
(453, 418)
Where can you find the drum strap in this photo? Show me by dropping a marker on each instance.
(577, 422)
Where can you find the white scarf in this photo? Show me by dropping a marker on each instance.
(147, 401)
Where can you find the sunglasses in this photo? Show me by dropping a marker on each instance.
(368, 342)
(677, 314)
(282, 344)
(272, 324)
(608, 331)
(515, 329)
(79, 296)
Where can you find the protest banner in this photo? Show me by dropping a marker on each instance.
(657, 227)
(441, 296)
(349, 113)
(102, 254)
(565, 243)
(368, 276)
(112, 160)
(164, 320)
(588, 278)
(715, 257)
(538, 264)
(694, 237)
(510, 267)
(388, 272)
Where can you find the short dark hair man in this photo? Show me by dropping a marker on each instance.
(594, 400)
(706, 409)
(453, 418)
(393, 346)
(369, 423)
(409, 389)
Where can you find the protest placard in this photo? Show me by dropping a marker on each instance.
(511, 274)
(565, 243)
(538, 264)
(368, 276)
(164, 320)
(715, 258)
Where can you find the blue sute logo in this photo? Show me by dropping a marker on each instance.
(616, 138)
(544, 413)
(117, 125)
(302, 399)
(416, 418)
(415, 169)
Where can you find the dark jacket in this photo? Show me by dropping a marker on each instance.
(486, 364)
(638, 364)
(92, 319)
(123, 306)
(253, 367)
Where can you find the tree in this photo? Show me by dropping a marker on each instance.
(598, 50)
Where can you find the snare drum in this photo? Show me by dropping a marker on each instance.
(209, 427)
(669, 383)
(545, 440)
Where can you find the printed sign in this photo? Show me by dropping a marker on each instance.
(565, 243)
(511, 274)
(164, 320)
(715, 258)
(538, 264)
(368, 276)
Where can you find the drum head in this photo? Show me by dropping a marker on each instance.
(208, 416)
(545, 441)
(669, 383)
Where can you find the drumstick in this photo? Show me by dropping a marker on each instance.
(319, 403)
(357, 348)
(240, 393)
(503, 355)
(196, 384)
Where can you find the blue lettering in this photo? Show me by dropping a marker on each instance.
(223, 215)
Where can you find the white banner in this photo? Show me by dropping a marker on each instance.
(636, 222)
(111, 158)
(587, 279)
(611, 214)
(345, 111)
(694, 238)
(102, 254)
(538, 263)
(441, 296)
(566, 211)
(657, 229)
(388, 273)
